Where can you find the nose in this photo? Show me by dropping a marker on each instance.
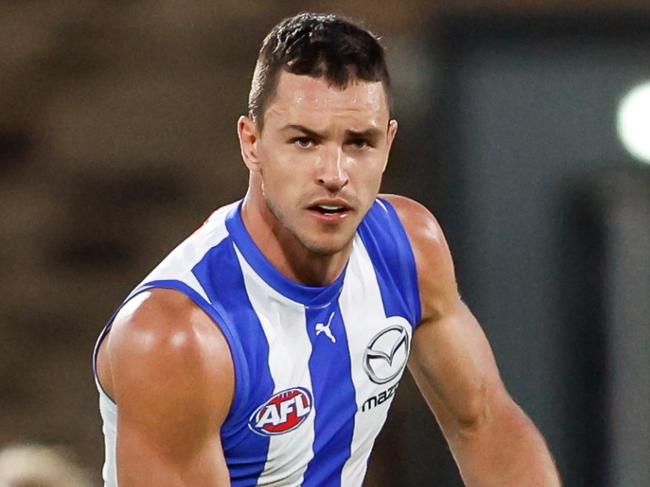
(332, 174)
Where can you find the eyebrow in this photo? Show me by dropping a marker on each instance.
(311, 133)
(370, 133)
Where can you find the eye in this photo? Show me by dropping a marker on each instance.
(303, 142)
(359, 143)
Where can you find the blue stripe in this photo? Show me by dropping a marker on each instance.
(334, 399)
(220, 275)
(390, 250)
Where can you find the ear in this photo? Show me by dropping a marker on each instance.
(390, 136)
(248, 142)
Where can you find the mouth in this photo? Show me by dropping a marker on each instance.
(330, 210)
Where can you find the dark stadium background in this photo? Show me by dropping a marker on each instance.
(117, 138)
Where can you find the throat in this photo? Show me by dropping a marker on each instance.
(315, 270)
(302, 262)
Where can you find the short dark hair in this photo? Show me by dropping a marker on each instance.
(321, 46)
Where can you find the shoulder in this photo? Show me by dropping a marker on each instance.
(420, 225)
(161, 341)
(424, 232)
(436, 276)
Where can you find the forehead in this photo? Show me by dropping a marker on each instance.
(300, 98)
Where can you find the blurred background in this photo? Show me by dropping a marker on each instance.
(524, 125)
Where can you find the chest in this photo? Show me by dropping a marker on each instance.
(335, 362)
(321, 376)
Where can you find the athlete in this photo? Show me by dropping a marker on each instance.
(266, 349)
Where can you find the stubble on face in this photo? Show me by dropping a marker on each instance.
(285, 230)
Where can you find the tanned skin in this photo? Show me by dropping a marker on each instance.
(169, 368)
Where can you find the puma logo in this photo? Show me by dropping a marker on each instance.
(322, 328)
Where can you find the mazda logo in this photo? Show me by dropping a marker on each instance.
(386, 354)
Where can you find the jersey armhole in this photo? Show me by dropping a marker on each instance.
(240, 368)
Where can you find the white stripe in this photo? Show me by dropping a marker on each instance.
(363, 314)
(108, 412)
(285, 327)
(179, 263)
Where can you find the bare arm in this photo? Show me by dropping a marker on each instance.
(492, 440)
(170, 372)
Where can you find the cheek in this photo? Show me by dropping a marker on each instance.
(368, 176)
(284, 177)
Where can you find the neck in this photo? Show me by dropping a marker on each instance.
(284, 250)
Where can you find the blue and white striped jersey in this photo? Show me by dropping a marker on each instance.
(316, 368)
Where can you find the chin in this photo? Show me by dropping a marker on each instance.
(324, 246)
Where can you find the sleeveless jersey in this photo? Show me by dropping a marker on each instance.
(316, 368)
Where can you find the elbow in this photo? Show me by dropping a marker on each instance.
(475, 413)
(490, 405)
(495, 415)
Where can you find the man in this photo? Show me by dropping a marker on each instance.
(266, 349)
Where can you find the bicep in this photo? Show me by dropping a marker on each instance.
(145, 457)
(172, 381)
(454, 367)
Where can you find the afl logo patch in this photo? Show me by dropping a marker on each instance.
(284, 412)
(387, 353)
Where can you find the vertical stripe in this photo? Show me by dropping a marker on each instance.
(388, 246)
(283, 323)
(362, 324)
(220, 274)
(108, 412)
(334, 396)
